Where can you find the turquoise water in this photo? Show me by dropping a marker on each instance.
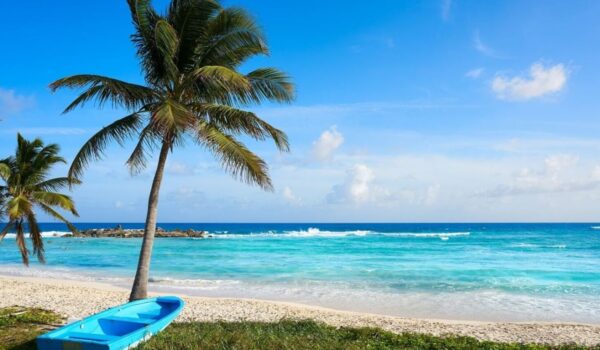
(517, 272)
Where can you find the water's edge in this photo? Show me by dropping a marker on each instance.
(481, 272)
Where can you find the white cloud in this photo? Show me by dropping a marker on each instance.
(481, 47)
(309, 112)
(557, 175)
(511, 146)
(189, 195)
(329, 141)
(178, 168)
(474, 73)
(11, 102)
(290, 197)
(126, 206)
(541, 81)
(358, 187)
(431, 194)
(446, 7)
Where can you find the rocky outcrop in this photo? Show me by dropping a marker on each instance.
(119, 232)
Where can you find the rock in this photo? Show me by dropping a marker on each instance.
(119, 232)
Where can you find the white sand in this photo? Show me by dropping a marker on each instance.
(78, 299)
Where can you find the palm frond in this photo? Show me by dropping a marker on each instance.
(148, 139)
(55, 199)
(190, 18)
(36, 237)
(144, 19)
(167, 43)
(56, 184)
(104, 89)
(219, 84)
(171, 117)
(220, 77)
(4, 170)
(234, 156)
(118, 131)
(233, 37)
(20, 239)
(53, 213)
(6, 229)
(17, 206)
(271, 84)
(238, 121)
(38, 166)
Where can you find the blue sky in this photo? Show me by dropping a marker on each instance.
(442, 110)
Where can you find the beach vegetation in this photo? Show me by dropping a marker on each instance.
(309, 335)
(194, 91)
(27, 188)
(19, 327)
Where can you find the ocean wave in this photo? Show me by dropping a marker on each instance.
(44, 234)
(317, 233)
(595, 227)
(531, 245)
(195, 283)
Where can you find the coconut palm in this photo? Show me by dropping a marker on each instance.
(190, 58)
(3, 199)
(27, 187)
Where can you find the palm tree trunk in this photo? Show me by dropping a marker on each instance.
(139, 290)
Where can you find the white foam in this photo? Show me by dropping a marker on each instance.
(315, 232)
(198, 284)
(481, 305)
(46, 234)
(530, 245)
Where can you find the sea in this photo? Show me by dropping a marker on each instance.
(468, 271)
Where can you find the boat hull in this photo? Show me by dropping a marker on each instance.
(118, 328)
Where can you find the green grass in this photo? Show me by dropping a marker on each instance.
(311, 335)
(18, 329)
(20, 326)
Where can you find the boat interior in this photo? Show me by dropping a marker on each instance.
(119, 322)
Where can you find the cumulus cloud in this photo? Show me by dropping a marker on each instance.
(329, 141)
(554, 177)
(474, 73)
(289, 196)
(541, 81)
(431, 194)
(358, 187)
(11, 102)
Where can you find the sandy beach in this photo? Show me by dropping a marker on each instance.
(76, 299)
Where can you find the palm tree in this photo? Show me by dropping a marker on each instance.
(190, 58)
(3, 199)
(27, 186)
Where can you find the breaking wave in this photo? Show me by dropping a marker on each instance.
(315, 232)
(44, 234)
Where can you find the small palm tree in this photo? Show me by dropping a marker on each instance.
(26, 187)
(3, 199)
(190, 58)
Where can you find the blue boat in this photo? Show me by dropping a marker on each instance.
(117, 328)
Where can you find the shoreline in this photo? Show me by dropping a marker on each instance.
(65, 297)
